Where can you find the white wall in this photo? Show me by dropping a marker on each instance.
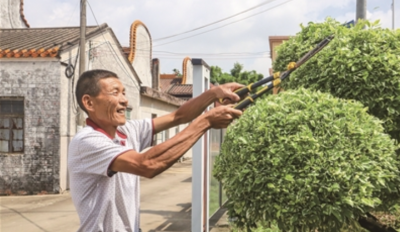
(10, 16)
(151, 106)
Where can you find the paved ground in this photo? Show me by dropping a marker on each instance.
(165, 206)
(166, 200)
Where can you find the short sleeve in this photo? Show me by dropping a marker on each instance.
(143, 131)
(96, 153)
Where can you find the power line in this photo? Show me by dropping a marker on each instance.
(218, 21)
(224, 25)
(196, 53)
(108, 53)
(110, 46)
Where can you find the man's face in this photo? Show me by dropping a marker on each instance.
(110, 105)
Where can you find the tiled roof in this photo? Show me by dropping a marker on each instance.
(126, 51)
(40, 42)
(168, 76)
(165, 97)
(181, 90)
(165, 84)
(171, 84)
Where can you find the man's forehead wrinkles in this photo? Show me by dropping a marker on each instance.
(113, 86)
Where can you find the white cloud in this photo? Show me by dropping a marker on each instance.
(384, 17)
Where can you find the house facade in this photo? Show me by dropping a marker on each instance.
(274, 42)
(38, 112)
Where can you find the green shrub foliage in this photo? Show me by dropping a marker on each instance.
(306, 160)
(361, 63)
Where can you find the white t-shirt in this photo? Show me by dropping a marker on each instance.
(106, 201)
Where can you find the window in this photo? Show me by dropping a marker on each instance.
(155, 136)
(128, 113)
(11, 125)
(159, 138)
(166, 135)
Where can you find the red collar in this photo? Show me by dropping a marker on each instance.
(92, 124)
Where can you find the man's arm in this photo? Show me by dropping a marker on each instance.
(160, 157)
(195, 106)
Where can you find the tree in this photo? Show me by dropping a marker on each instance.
(217, 76)
(237, 70)
(236, 75)
(360, 64)
(306, 161)
(281, 143)
(177, 72)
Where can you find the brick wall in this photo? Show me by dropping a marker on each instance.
(36, 170)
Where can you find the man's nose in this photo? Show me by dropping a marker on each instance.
(123, 100)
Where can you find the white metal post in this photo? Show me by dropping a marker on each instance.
(393, 17)
(361, 9)
(200, 174)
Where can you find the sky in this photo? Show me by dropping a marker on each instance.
(242, 38)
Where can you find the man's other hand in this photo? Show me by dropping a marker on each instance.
(226, 93)
(222, 116)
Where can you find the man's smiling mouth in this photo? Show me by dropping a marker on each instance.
(121, 111)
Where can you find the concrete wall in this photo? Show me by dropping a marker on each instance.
(37, 168)
(10, 16)
(102, 53)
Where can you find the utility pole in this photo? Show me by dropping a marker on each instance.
(361, 10)
(82, 58)
(393, 15)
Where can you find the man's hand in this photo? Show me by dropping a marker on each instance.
(222, 116)
(226, 92)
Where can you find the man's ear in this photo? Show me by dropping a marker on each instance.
(87, 102)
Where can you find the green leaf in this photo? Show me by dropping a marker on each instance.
(289, 178)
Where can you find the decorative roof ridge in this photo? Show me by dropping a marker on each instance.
(132, 39)
(184, 69)
(21, 10)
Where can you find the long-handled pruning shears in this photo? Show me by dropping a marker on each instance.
(277, 77)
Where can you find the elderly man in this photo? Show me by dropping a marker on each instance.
(104, 160)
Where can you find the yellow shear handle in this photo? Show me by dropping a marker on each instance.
(291, 66)
(277, 75)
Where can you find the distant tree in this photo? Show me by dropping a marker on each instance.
(236, 75)
(217, 76)
(237, 70)
(177, 72)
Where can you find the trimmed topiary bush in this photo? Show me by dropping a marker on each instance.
(361, 63)
(305, 161)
